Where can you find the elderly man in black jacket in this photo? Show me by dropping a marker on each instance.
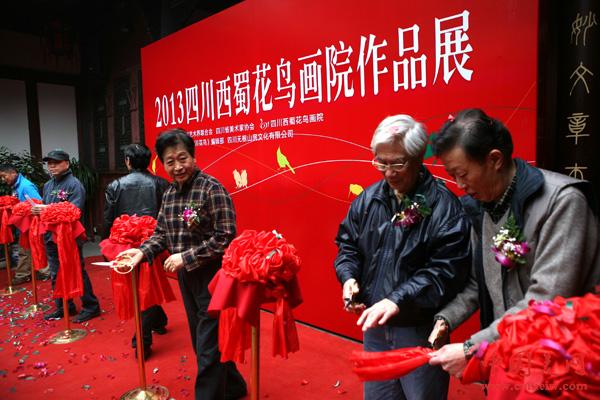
(140, 193)
(403, 254)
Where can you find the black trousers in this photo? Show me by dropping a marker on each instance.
(153, 317)
(215, 380)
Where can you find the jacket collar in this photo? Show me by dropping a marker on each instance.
(62, 176)
(425, 186)
(17, 181)
(529, 181)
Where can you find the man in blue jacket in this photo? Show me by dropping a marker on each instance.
(21, 188)
(63, 186)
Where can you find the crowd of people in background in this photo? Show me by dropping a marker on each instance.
(414, 260)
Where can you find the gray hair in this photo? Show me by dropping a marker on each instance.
(404, 129)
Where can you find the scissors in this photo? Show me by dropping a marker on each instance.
(122, 266)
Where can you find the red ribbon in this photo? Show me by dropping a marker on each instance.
(6, 236)
(69, 282)
(126, 233)
(62, 219)
(36, 242)
(384, 365)
(31, 237)
(238, 306)
(258, 267)
(542, 350)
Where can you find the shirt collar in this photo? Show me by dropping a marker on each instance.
(187, 184)
(496, 209)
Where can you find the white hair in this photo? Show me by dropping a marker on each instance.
(404, 129)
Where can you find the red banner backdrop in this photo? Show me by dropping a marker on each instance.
(282, 98)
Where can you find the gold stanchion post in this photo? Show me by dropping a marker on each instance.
(10, 289)
(68, 335)
(144, 392)
(255, 362)
(35, 307)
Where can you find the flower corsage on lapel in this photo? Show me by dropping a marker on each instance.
(414, 211)
(61, 195)
(509, 245)
(190, 215)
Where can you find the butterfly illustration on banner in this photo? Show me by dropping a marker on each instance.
(241, 178)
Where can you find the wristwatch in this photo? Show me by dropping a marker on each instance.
(468, 349)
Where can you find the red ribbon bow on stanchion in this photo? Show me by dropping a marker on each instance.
(153, 288)
(6, 204)
(62, 219)
(31, 236)
(550, 349)
(258, 267)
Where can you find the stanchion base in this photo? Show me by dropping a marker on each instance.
(67, 336)
(36, 308)
(11, 290)
(152, 392)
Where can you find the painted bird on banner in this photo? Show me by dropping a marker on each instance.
(283, 161)
(355, 189)
(241, 178)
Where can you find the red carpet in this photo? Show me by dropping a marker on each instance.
(102, 365)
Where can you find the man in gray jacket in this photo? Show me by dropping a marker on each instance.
(534, 234)
(63, 186)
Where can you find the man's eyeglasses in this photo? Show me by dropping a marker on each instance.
(394, 167)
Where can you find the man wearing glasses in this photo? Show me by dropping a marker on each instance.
(403, 254)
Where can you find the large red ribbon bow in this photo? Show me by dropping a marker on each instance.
(62, 219)
(6, 203)
(550, 349)
(31, 236)
(129, 232)
(258, 267)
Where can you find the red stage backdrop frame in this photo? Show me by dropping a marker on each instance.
(282, 98)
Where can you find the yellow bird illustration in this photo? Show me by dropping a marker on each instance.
(283, 161)
(355, 189)
(154, 164)
(241, 178)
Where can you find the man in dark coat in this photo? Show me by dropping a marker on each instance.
(140, 193)
(403, 254)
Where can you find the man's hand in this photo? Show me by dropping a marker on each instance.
(349, 291)
(378, 314)
(38, 208)
(173, 263)
(439, 334)
(135, 255)
(451, 357)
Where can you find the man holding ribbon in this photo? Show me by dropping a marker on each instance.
(63, 186)
(23, 189)
(195, 224)
(403, 254)
(534, 232)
